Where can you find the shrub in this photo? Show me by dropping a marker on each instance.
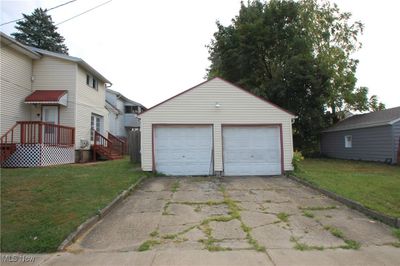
(297, 158)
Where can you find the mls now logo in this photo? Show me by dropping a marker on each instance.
(17, 258)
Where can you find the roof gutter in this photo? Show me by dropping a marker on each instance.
(88, 67)
(354, 128)
(394, 121)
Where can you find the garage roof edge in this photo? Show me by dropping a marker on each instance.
(230, 83)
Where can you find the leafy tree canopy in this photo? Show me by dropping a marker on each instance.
(297, 54)
(38, 30)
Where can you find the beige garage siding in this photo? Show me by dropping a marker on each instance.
(198, 106)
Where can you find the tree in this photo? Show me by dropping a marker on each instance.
(374, 105)
(296, 54)
(38, 30)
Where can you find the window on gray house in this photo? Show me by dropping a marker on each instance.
(130, 109)
(348, 141)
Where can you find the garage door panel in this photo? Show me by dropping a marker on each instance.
(179, 169)
(182, 157)
(253, 169)
(251, 150)
(255, 157)
(183, 150)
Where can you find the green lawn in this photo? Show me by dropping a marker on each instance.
(40, 207)
(375, 185)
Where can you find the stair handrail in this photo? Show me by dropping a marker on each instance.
(120, 142)
(103, 140)
(3, 138)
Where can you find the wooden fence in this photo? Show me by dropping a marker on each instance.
(134, 146)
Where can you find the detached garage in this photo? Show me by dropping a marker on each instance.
(216, 128)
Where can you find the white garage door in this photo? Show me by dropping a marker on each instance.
(253, 150)
(183, 150)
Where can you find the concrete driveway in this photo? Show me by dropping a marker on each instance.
(231, 221)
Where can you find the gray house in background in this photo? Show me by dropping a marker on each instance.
(370, 137)
(122, 113)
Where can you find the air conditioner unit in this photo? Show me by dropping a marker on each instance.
(84, 143)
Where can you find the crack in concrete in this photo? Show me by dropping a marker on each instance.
(290, 230)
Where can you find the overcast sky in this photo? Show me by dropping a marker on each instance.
(152, 50)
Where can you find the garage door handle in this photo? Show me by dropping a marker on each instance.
(183, 156)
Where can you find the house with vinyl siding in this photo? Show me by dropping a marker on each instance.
(373, 136)
(123, 113)
(50, 105)
(216, 128)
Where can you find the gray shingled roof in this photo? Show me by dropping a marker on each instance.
(374, 119)
(125, 98)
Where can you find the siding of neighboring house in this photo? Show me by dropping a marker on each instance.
(120, 125)
(89, 100)
(16, 72)
(51, 73)
(112, 118)
(26, 69)
(131, 120)
(369, 144)
(396, 139)
(117, 124)
(197, 106)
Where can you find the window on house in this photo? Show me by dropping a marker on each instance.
(95, 84)
(129, 109)
(348, 141)
(96, 123)
(92, 81)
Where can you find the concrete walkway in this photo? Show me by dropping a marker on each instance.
(228, 221)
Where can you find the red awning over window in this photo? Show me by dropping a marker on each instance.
(48, 97)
